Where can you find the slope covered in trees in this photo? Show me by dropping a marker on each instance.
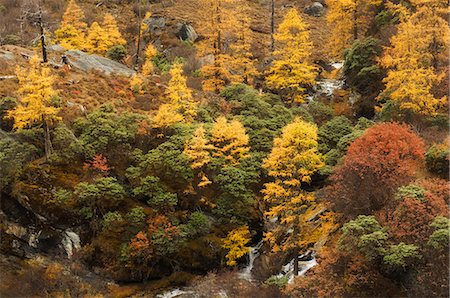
(224, 147)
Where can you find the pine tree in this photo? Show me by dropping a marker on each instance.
(180, 95)
(229, 140)
(150, 53)
(410, 62)
(349, 21)
(291, 70)
(97, 40)
(36, 92)
(292, 162)
(112, 32)
(71, 32)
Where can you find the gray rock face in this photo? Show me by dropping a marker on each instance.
(88, 62)
(155, 24)
(316, 9)
(186, 32)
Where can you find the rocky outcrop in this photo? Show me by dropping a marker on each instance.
(186, 32)
(89, 62)
(316, 9)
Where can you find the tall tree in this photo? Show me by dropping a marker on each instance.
(292, 162)
(349, 21)
(72, 30)
(180, 95)
(113, 35)
(292, 70)
(242, 65)
(35, 91)
(229, 140)
(96, 40)
(150, 53)
(217, 17)
(410, 62)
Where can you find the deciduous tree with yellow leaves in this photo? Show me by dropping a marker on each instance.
(36, 92)
(292, 162)
(291, 70)
(218, 19)
(72, 30)
(411, 61)
(113, 35)
(229, 140)
(179, 94)
(236, 244)
(349, 21)
(97, 40)
(150, 53)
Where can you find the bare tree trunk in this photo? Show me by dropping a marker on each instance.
(41, 28)
(47, 141)
(296, 262)
(138, 47)
(355, 24)
(272, 26)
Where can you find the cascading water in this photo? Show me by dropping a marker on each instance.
(246, 273)
(176, 293)
(327, 87)
(306, 262)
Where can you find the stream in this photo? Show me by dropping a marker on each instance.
(324, 87)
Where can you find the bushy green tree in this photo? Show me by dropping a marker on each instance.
(155, 193)
(99, 197)
(332, 131)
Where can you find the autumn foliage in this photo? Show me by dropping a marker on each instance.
(386, 156)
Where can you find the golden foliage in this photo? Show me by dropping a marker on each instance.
(413, 58)
(166, 117)
(349, 21)
(291, 70)
(113, 35)
(229, 140)
(71, 32)
(180, 95)
(294, 158)
(197, 148)
(35, 91)
(96, 40)
(150, 53)
(236, 244)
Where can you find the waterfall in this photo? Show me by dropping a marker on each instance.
(246, 272)
(176, 293)
(307, 261)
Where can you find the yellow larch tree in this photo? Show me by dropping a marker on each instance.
(349, 21)
(197, 150)
(71, 32)
(35, 94)
(150, 53)
(217, 16)
(113, 35)
(96, 40)
(242, 64)
(292, 69)
(410, 62)
(293, 160)
(236, 244)
(166, 116)
(180, 95)
(229, 140)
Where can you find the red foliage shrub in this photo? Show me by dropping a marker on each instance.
(99, 164)
(409, 220)
(385, 157)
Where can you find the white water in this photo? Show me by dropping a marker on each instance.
(70, 242)
(304, 266)
(327, 86)
(246, 273)
(176, 293)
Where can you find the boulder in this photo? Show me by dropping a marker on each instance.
(186, 32)
(155, 24)
(89, 62)
(316, 9)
